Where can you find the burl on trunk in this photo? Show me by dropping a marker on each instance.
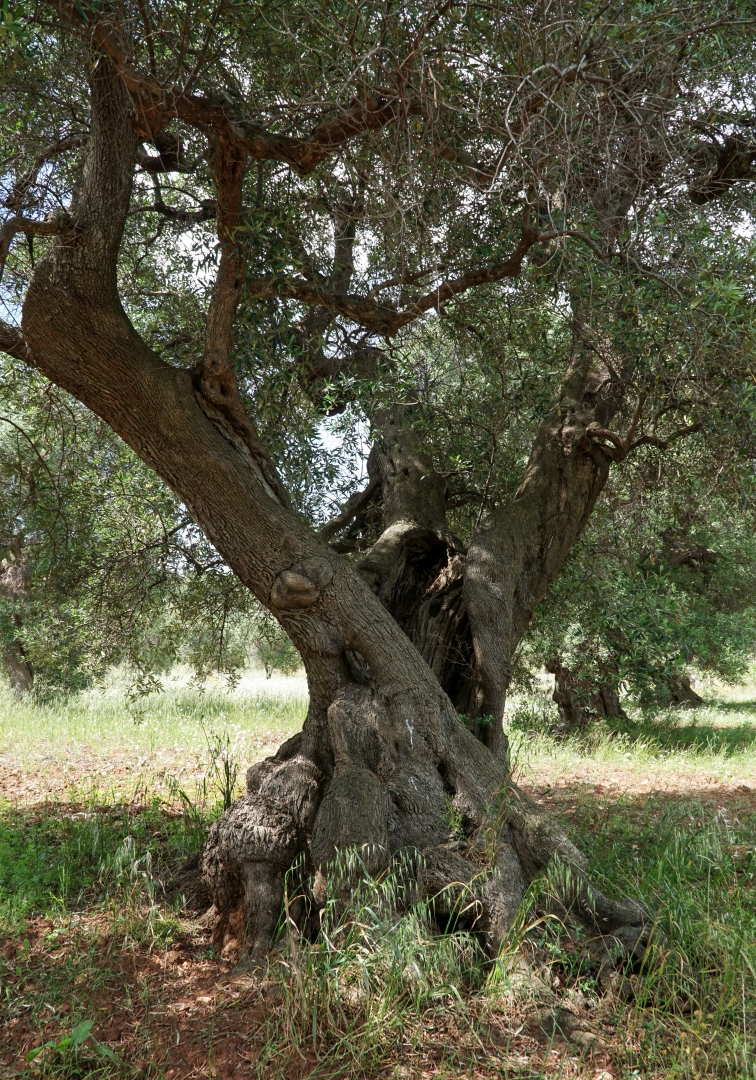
(383, 753)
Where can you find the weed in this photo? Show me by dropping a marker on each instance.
(224, 768)
(64, 1057)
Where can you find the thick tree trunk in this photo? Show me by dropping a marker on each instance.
(682, 693)
(20, 671)
(582, 702)
(382, 754)
(522, 545)
(417, 566)
(467, 612)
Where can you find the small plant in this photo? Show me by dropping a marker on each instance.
(65, 1052)
(224, 768)
(536, 716)
(455, 819)
(126, 866)
(473, 722)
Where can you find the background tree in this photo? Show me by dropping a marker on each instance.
(657, 586)
(101, 563)
(364, 169)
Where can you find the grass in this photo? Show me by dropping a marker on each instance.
(107, 977)
(98, 740)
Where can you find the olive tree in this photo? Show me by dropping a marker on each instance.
(374, 174)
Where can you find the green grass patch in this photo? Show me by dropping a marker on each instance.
(87, 938)
(174, 721)
(60, 858)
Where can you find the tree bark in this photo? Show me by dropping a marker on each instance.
(682, 693)
(382, 754)
(20, 671)
(521, 546)
(417, 566)
(467, 612)
(582, 702)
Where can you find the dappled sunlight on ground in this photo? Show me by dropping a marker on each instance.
(98, 803)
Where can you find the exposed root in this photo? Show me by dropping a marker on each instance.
(391, 790)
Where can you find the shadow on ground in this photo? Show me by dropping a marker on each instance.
(676, 732)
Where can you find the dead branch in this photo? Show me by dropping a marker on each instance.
(54, 225)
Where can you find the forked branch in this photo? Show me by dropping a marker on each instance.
(356, 502)
(49, 226)
(381, 318)
(156, 105)
(617, 447)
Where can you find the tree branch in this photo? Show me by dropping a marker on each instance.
(664, 444)
(156, 105)
(621, 446)
(228, 164)
(12, 342)
(15, 200)
(356, 502)
(169, 157)
(57, 223)
(207, 211)
(380, 318)
(725, 164)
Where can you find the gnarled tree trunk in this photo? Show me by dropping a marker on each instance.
(382, 754)
(682, 694)
(467, 612)
(20, 671)
(582, 702)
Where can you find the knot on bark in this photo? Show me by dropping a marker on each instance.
(294, 784)
(300, 586)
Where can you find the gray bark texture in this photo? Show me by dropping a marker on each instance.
(383, 755)
(13, 583)
(582, 702)
(19, 669)
(682, 693)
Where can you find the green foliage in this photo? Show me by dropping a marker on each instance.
(274, 649)
(533, 714)
(63, 1056)
(115, 570)
(662, 582)
(99, 562)
(224, 768)
(52, 863)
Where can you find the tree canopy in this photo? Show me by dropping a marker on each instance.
(512, 243)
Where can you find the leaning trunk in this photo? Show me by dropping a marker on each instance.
(523, 544)
(382, 756)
